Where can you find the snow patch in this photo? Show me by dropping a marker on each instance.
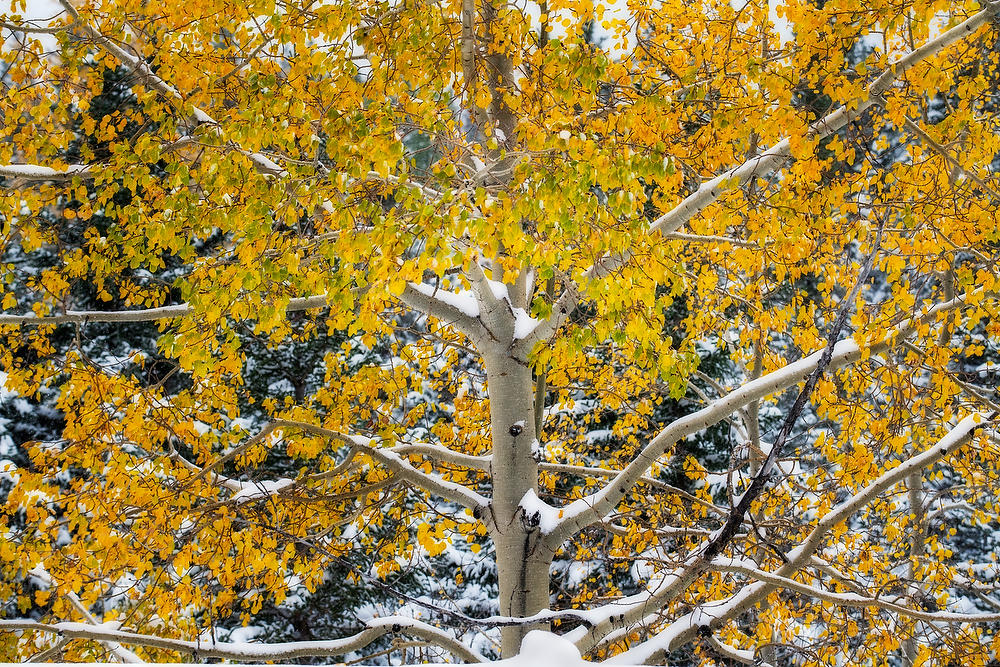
(262, 489)
(8, 470)
(245, 633)
(464, 301)
(535, 509)
(524, 324)
(540, 648)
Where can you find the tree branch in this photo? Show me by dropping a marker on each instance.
(427, 481)
(742, 656)
(431, 301)
(589, 471)
(763, 164)
(263, 163)
(590, 509)
(846, 599)
(27, 28)
(772, 158)
(708, 238)
(37, 172)
(145, 315)
(120, 652)
(718, 612)
(940, 150)
(444, 455)
(258, 652)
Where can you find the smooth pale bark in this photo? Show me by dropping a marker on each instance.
(244, 652)
(915, 497)
(685, 628)
(143, 315)
(523, 558)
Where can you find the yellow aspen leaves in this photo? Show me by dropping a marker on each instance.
(412, 285)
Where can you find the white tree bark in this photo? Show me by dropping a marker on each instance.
(258, 652)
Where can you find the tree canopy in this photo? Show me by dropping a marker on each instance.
(670, 328)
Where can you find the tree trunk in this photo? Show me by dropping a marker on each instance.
(915, 494)
(522, 559)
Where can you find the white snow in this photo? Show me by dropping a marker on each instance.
(577, 572)
(464, 301)
(524, 324)
(8, 470)
(499, 290)
(41, 577)
(548, 516)
(262, 489)
(244, 634)
(545, 648)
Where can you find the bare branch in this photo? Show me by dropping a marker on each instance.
(430, 482)
(29, 28)
(708, 238)
(589, 471)
(444, 455)
(590, 509)
(145, 315)
(763, 164)
(718, 612)
(847, 599)
(258, 652)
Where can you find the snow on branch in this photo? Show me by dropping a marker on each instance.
(144, 315)
(743, 656)
(460, 310)
(37, 172)
(247, 651)
(34, 173)
(245, 491)
(765, 163)
(403, 469)
(592, 508)
(120, 652)
(846, 599)
(713, 614)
